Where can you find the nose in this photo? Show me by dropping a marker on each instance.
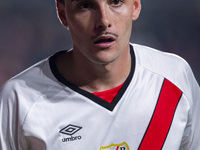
(102, 18)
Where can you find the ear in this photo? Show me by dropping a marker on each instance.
(61, 13)
(136, 9)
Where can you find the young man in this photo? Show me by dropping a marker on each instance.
(103, 94)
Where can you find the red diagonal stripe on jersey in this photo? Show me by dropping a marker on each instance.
(161, 120)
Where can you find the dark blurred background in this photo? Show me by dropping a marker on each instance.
(30, 31)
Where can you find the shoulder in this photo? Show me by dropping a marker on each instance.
(27, 86)
(152, 58)
(170, 66)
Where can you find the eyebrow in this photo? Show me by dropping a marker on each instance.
(76, 0)
(79, 0)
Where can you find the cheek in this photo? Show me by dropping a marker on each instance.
(124, 25)
(80, 33)
(124, 17)
(77, 28)
(83, 21)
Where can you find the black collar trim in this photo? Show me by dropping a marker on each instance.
(96, 99)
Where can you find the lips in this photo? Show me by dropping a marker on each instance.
(104, 41)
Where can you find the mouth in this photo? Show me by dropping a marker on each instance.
(104, 41)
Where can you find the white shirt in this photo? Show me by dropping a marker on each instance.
(158, 107)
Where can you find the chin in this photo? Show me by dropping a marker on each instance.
(105, 58)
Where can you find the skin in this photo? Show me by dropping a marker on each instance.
(100, 31)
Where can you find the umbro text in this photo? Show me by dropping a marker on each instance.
(71, 139)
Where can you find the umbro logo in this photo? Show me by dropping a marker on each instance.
(70, 130)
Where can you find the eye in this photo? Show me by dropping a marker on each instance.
(84, 5)
(116, 3)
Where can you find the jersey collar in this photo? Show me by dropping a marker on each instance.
(94, 98)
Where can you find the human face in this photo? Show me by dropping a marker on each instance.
(100, 29)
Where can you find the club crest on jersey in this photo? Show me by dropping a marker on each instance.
(122, 146)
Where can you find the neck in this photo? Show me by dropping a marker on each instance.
(94, 77)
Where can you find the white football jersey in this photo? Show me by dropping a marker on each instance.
(158, 107)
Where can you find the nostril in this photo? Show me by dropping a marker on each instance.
(102, 27)
(102, 24)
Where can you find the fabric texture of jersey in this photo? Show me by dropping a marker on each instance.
(157, 107)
